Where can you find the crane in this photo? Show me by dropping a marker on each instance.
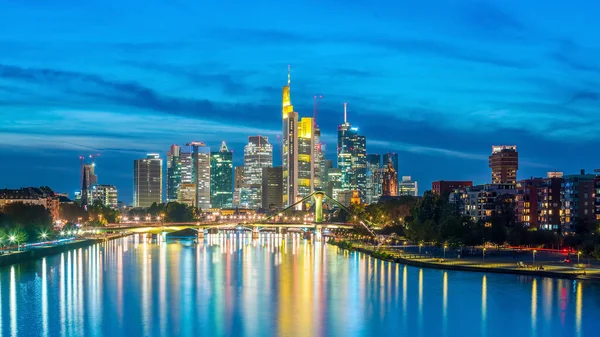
(92, 156)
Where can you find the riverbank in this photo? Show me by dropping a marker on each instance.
(469, 265)
(39, 252)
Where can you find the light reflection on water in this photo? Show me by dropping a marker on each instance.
(276, 286)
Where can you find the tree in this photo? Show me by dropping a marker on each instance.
(31, 219)
(176, 212)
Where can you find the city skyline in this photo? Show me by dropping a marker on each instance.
(439, 100)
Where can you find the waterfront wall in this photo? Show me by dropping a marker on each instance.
(33, 254)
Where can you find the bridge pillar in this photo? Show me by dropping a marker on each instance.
(213, 231)
(201, 233)
(318, 207)
(281, 230)
(255, 233)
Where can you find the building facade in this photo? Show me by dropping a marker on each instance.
(504, 162)
(201, 174)
(258, 154)
(89, 179)
(147, 181)
(408, 186)
(238, 184)
(578, 200)
(32, 196)
(445, 187)
(104, 194)
(374, 179)
(173, 172)
(389, 184)
(221, 178)
(352, 157)
(272, 188)
(289, 146)
(306, 157)
(479, 202)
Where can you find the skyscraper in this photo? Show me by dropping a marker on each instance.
(305, 157)
(201, 173)
(374, 178)
(393, 157)
(272, 189)
(238, 184)
(173, 172)
(104, 194)
(408, 187)
(221, 178)
(289, 146)
(352, 157)
(258, 154)
(504, 162)
(147, 181)
(89, 179)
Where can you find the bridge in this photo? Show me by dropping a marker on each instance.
(279, 221)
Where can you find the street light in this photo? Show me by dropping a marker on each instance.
(578, 254)
(483, 253)
(420, 245)
(534, 251)
(445, 251)
(43, 235)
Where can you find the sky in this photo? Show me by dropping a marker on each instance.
(439, 82)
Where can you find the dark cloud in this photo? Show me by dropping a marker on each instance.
(134, 95)
(583, 95)
(491, 18)
(575, 57)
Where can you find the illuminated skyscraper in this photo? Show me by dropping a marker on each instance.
(89, 179)
(408, 187)
(104, 194)
(173, 172)
(238, 184)
(147, 181)
(318, 161)
(305, 157)
(289, 146)
(258, 154)
(201, 173)
(504, 162)
(352, 157)
(374, 178)
(221, 178)
(271, 188)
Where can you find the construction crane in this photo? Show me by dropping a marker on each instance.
(316, 104)
(92, 156)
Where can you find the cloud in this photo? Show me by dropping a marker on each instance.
(491, 18)
(576, 57)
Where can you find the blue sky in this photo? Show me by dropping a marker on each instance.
(439, 82)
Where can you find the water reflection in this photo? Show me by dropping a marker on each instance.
(276, 285)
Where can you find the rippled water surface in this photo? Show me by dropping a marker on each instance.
(277, 286)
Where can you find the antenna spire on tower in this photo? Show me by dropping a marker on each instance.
(345, 115)
(288, 74)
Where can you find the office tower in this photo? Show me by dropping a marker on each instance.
(504, 162)
(238, 184)
(89, 179)
(408, 187)
(344, 151)
(352, 157)
(186, 194)
(272, 188)
(305, 157)
(393, 157)
(258, 154)
(187, 168)
(106, 195)
(318, 158)
(389, 186)
(173, 172)
(201, 174)
(334, 182)
(147, 181)
(289, 146)
(445, 187)
(578, 201)
(374, 179)
(221, 178)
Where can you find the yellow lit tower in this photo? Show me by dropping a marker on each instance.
(289, 146)
(306, 157)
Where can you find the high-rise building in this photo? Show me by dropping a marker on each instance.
(201, 173)
(538, 203)
(390, 156)
(272, 189)
(374, 178)
(305, 157)
(238, 184)
(187, 168)
(334, 182)
(173, 172)
(408, 187)
(186, 194)
(445, 187)
(352, 157)
(258, 154)
(578, 200)
(504, 162)
(479, 202)
(147, 181)
(318, 161)
(221, 178)
(89, 179)
(289, 146)
(106, 195)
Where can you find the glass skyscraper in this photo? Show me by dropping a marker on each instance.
(147, 181)
(306, 156)
(221, 178)
(258, 153)
(173, 172)
(201, 173)
(352, 157)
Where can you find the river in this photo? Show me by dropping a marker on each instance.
(277, 286)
